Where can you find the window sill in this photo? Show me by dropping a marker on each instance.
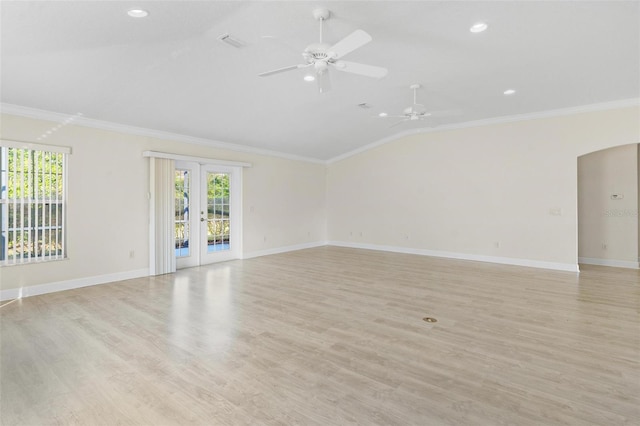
(4, 263)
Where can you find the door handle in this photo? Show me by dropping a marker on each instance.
(202, 219)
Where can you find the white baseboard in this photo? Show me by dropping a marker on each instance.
(285, 249)
(610, 262)
(17, 293)
(20, 292)
(569, 267)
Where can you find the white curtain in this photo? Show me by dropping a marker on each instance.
(162, 244)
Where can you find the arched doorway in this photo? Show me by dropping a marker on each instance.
(608, 187)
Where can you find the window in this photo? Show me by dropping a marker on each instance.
(217, 211)
(32, 202)
(182, 196)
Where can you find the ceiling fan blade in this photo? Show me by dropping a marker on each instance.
(279, 70)
(356, 39)
(398, 123)
(361, 69)
(446, 113)
(324, 84)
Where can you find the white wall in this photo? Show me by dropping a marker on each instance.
(108, 211)
(608, 228)
(453, 193)
(284, 205)
(503, 192)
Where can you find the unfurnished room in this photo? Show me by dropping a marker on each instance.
(319, 213)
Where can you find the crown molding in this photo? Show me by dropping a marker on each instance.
(625, 103)
(79, 120)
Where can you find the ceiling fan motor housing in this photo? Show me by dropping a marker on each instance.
(317, 52)
(415, 109)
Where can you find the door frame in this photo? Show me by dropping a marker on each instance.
(235, 214)
(198, 254)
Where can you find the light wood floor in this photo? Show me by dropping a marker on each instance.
(330, 336)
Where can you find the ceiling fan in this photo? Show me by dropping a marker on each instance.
(416, 112)
(321, 56)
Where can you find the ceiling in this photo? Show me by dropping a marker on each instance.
(169, 72)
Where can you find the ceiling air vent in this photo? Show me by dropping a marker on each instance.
(226, 38)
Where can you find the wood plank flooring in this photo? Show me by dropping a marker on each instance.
(329, 336)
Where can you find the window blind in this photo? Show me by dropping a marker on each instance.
(32, 202)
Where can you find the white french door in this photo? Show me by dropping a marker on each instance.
(207, 214)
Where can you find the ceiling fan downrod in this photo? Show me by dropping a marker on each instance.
(321, 14)
(415, 88)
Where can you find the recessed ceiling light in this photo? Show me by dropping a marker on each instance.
(478, 27)
(309, 77)
(382, 114)
(138, 13)
(509, 92)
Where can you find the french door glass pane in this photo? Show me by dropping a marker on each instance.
(217, 212)
(182, 197)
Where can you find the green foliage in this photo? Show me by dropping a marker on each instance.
(33, 182)
(217, 207)
(218, 185)
(34, 174)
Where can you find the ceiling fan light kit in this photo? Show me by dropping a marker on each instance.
(320, 57)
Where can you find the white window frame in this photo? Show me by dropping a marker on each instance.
(31, 222)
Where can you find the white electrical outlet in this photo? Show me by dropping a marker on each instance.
(617, 196)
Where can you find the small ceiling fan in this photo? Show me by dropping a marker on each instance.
(321, 56)
(417, 112)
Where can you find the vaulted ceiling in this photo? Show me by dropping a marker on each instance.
(170, 72)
